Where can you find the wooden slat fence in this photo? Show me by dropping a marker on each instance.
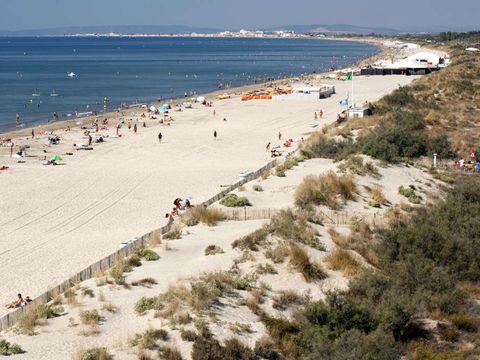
(10, 319)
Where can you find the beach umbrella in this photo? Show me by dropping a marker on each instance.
(187, 197)
(55, 158)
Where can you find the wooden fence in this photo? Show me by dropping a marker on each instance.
(328, 217)
(106, 263)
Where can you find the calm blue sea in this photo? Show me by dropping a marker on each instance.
(143, 69)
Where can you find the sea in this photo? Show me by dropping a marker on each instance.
(71, 76)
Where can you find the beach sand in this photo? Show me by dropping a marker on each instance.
(56, 220)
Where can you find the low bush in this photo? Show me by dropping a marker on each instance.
(257, 188)
(134, 261)
(146, 282)
(325, 190)
(200, 214)
(286, 299)
(233, 200)
(148, 339)
(252, 241)
(356, 165)
(90, 317)
(94, 354)
(188, 335)
(266, 269)
(342, 260)
(148, 303)
(148, 254)
(175, 232)
(319, 146)
(300, 261)
(410, 194)
(7, 348)
(169, 353)
(213, 250)
(288, 226)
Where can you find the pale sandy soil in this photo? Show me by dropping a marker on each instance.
(185, 259)
(57, 220)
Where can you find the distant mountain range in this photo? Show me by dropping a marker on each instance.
(336, 29)
(179, 29)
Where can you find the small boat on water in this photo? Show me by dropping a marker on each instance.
(54, 93)
(36, 93)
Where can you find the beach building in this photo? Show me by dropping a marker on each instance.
(418, 64)
(358, 112)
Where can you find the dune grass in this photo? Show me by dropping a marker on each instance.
(200, 214)
(326, 190)
(342, 260)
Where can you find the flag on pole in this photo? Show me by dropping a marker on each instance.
(350, 76)
(344, 102)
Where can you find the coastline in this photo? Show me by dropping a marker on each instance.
(78, 213)
(71, 123)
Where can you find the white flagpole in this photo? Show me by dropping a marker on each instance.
(353, 102)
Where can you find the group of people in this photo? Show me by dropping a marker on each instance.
(179, 205)
(18, 302)
(470, 165)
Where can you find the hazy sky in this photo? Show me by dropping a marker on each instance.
(31, 14)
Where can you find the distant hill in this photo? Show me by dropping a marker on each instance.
(336, 29)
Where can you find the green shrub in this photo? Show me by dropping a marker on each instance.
(148, 303)
(94, 354)
(134, 261)
(213, 250)
(409, 193)
(147, 254)
(91, 317)
(7, 348)
(280, 171)
(257, 188)
(288, 226)
(169, 353)
(188, 335)
(233, 200)
(319, 146)
(252, 241)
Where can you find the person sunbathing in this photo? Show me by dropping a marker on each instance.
(16, 303)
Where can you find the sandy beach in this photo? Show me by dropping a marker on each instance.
(58, 219)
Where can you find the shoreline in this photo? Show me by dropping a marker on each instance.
(74, 215)
(71, 123)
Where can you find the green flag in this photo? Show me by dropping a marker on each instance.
(350, 76)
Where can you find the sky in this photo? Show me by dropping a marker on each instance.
(236, 14)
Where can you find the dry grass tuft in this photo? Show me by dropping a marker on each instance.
(342, 260)
(175, 232)
(200, 214)
(300, 261)
(326, 190)
(378, 196)
(286, 299)
(155, 238)
(108, 306)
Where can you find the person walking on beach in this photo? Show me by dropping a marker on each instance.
(214, 113)
(279, 136)
(321, 114)
(160, 137)
(215, 135)
(33, 133)
(17, 119)
(89, 139)
(135, 128)
(11, 148)
(268, 146)
(315, 116)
